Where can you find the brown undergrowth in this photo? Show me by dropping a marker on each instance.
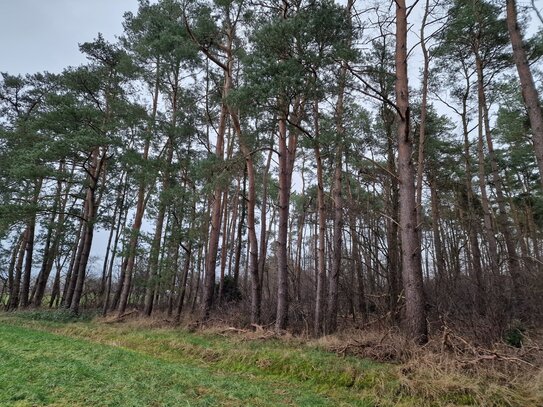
(451, 367)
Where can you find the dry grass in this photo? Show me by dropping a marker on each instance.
(450, 370)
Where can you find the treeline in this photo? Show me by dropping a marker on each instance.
(269, 160)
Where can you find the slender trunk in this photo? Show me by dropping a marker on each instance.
(490, 233)
(321, 262)
(29, 250)
(415, 312)
(155, 246)
(67, 291)
(256, 284)
(53, 242)
(183, 283)
(175, 239)
(357, 258)
(224, 245)
(440, 260)
(49, 254)
(233, 224)
(154, 255)
(198, 278)
(123, 215)
(237, 257)
(55, 291)
(263, 222)
(98, 160)
(423, 114)
(113, 231)
(392, 205)
(287, 152)
(528, 88)
(120, 299)
(215, 227)
(333, 287)
(284, 192)
(11, 267)
(473, 221)
(503, 220)
(13, 302)
(88, 231)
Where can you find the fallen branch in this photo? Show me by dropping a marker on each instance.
(496, 356)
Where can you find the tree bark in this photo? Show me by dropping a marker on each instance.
(321, 260)
(67, 291)
(25, 284)
(215, 227)
(415, 313)
(14, 288)
(528, 88)
(333, 286)
(287, 154)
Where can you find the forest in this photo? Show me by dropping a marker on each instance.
(308, 166)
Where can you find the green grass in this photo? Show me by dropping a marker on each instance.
(47, 362)
(54, 359)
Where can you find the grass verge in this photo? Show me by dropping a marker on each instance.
(48, 360)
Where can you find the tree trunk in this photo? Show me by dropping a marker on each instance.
(155, 246)
(473, 221)
(15, 286)
(120, 299)
(11, 268)
(186, 266)
(503, 220)
(114, 231)
(53, 242)
(436, 230)
(67, 291)
(415, 312)
(25, 284)
(263, 221)
(123, 215)
(55, 292)
(215, 227)
(256, 284)
(157, 239)
(333, 286)
(224, 245)
(490, 232)
(423, 114)
(90, 209)
(392, 210)
(287, 154)
(528, 88)
(321, 261)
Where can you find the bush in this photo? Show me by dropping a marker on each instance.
(230, 291)
(58, 315)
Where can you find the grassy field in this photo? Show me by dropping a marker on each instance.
(50, 360)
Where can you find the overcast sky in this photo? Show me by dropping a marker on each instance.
(43, 35)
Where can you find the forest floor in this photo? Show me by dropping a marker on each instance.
(48, 359)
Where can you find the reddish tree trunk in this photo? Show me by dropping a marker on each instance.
(415, 313)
